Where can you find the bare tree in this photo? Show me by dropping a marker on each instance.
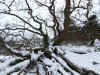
(36, 24)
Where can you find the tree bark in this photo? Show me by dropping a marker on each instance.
(63, 34)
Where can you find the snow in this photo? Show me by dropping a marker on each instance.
(76, 48)
(87, 60)
(97, 45)
(83, 60)
(35, 56)
(20, 65)
(4, 66)
(96, 8)
(54, 66)
(64, 64)
(90, 59)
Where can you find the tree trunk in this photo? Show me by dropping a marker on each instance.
(63, 34)
(66, 21)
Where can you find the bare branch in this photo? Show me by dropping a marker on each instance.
(22, 29)
(32, 26)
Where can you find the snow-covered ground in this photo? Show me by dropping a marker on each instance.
(83, 56)
(90, 59)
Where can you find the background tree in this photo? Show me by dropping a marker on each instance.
(76, 11)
